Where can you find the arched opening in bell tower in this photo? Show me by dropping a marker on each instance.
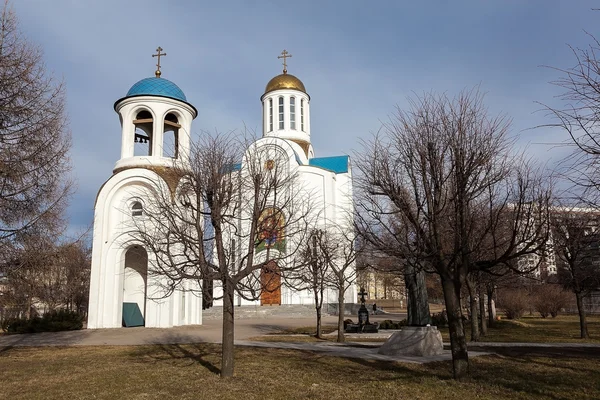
(144, 125)
(171, 136)
(135, 280)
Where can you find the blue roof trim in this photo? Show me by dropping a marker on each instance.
(338, 164)
(231, 167)
(157, 87)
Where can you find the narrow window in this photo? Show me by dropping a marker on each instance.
(137, 209)
(302, 114)
(281, 120)
(292, 113)
(270, 115)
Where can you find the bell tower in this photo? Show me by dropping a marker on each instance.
(156, 119)
(286, 109)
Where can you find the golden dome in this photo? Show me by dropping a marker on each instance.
(285, 81)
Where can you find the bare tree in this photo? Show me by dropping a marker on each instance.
(337, 250)
(34, 140)
(310, 271)
(576, 238)
(341, 250)
(213, 219)
(442, 182)
(47, 276)
(326, 261)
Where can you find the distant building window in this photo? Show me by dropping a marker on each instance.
(137, 209)
(281, 120)
(270, 115)
(302, 114)
(292, 113)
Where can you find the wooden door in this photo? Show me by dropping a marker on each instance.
(270, 280)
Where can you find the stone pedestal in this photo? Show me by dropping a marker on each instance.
(414, 341)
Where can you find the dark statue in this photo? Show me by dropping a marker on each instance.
(417, 304)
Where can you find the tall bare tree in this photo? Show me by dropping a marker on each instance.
(311, 270)
(576, 239)
(327, 261)
(440, 185)
(341, 250)
(34, 140)
(214, 219)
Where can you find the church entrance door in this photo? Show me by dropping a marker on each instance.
(134, 286)
(270, 280)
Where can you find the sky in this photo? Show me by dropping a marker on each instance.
(358, 61)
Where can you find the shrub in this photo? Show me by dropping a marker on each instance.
(389, 324)
(53, 321)
(549, 299)
(347, 322)
(513, 302)
(439, 319)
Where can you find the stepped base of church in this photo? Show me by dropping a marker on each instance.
(282, 311)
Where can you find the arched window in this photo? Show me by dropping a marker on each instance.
(292, 113)
(302, 114)
(270, 115)
(137, 209)
(171, 136)
(281, 120)
(143, 123)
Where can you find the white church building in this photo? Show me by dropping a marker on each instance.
(155, 114)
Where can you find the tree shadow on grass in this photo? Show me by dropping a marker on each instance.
(380, 370)
(194, 353)
(533, 376)
(538, 376)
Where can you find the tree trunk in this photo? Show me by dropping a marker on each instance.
(340, 336)
(318, 335)
(474, 308)
(228, 329)
(318, 305)
(417, 305)
(482, 312)
(582, 320)
(458, 342)
(490, 299)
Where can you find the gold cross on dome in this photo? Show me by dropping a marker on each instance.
(284, 55)
(158, 54)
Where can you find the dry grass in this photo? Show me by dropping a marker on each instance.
(191, 372)
(530, 329)
(534, 329)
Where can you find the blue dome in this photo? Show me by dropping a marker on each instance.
(157, 87)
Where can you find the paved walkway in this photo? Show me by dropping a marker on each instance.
(210, 332)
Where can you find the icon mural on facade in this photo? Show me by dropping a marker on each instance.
(271, 224)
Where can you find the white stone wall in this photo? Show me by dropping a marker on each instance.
(113, 235)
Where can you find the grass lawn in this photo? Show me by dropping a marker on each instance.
(529, 329)
(190, 372)
(535, 329)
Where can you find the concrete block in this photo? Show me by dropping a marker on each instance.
(414, 341)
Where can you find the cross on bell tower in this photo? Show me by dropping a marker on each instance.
(158, 54)
(284, 55)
